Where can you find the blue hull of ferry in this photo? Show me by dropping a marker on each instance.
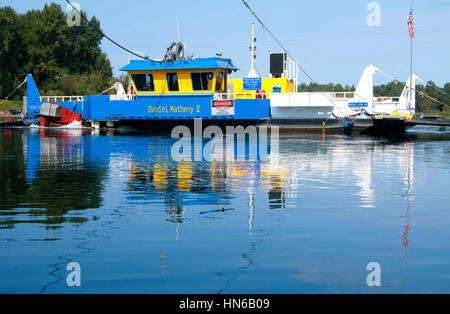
(155, 107)
(184, 107)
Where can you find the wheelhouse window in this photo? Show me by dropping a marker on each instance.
(219, 80)
(143, 82)
(172, 82)
(202, 81)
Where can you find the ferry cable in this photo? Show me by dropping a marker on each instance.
(431, 85)
(418, 91)
(107, 90)
(291, 56)
(435, 100)
(6, 99)
(107, 37)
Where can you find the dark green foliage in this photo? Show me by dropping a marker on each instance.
(313, 87)
(62, 59)
(394, 89)
(424, 104)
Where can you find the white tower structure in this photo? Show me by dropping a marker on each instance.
(253, 72)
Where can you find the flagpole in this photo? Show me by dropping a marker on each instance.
(411, 68)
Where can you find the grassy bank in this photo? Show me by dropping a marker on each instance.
(8, 105)
(11, 104)
(445, 114)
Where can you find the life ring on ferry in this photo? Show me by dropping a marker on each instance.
(261, 94)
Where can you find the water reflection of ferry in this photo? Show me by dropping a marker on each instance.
(50, 159)
(176, 90)
(309, 160)
(321, 160)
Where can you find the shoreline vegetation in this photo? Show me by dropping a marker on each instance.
(69, 61)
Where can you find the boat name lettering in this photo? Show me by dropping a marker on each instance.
(172, 109)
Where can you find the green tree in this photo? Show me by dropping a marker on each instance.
(11, 56)
(43, 44)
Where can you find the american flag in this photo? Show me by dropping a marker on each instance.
(411, 25)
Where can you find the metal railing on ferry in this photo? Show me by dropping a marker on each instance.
(122, 97)
(345, 95)
(81, 98)
(61, 98)
(390, 100)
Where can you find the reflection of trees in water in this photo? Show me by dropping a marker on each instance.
(61, 184)
(13, 183)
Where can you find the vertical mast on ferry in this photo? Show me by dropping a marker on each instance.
(253, 72)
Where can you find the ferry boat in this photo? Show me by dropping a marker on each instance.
(178, 90)
(171, 92)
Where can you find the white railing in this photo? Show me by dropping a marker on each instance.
(330, 95)
(386, 100)
(302, 100)
(343, 95)
(61, 98)
(122, 97)
(81, 98)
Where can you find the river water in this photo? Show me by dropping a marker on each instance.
(137, 221)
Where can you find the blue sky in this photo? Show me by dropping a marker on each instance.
(331, 39)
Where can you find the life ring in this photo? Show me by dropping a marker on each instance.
(261, 94)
